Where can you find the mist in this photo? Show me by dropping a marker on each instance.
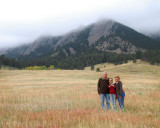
(21, 21)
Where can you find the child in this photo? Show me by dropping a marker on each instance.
(112, 94)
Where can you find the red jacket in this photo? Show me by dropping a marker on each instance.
(112, 90)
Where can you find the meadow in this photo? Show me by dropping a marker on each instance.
(69, 99)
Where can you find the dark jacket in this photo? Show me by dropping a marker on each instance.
(103, 86)
(118, 87)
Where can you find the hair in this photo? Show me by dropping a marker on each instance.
(104, 72)
(117, 77)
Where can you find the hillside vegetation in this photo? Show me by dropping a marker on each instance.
(100, 42)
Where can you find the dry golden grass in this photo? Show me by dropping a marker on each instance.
(69, 99)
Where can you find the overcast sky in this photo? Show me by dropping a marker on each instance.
(22, 21)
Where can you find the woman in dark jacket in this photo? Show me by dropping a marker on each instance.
(119, 91)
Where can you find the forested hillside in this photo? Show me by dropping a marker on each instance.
(103, 41)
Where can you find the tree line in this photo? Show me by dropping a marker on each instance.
(80, 61)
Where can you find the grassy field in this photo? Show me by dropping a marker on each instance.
(69, 99)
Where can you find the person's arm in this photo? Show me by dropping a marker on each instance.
(120, 85)
(98, 87)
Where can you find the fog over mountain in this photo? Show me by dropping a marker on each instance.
(104, 36)
(24, 21)
(154, 35)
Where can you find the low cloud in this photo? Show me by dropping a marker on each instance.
(24, 21)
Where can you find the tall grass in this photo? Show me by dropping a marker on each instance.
(69, 99)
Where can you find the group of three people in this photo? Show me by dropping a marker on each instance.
(110, 91)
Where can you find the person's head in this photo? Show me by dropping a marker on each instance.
(110, 80)
(104, 74)
(117, 78)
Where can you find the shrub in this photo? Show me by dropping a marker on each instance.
(51, 67)
(98, 70)
(134, 61)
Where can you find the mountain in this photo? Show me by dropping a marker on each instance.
(105, 35)
(155, 36)
(39, 47)
(103, 41)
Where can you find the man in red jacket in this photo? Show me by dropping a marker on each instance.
(103, 90)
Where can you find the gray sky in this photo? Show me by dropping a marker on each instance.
(22, 21)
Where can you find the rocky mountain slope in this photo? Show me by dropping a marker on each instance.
(105, 36)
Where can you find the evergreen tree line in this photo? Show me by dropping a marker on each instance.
(10, 62)
(152, 56)
(80, 61)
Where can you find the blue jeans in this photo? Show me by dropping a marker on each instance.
(113, 101)
(103, 97)
(121, 100)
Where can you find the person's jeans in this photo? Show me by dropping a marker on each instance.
(113, 101)
(121, 100)
(103, 97)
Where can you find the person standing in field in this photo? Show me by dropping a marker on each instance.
(112, 94)
(119, 91)
(103, 90)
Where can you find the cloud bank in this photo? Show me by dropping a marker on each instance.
(22, 21)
